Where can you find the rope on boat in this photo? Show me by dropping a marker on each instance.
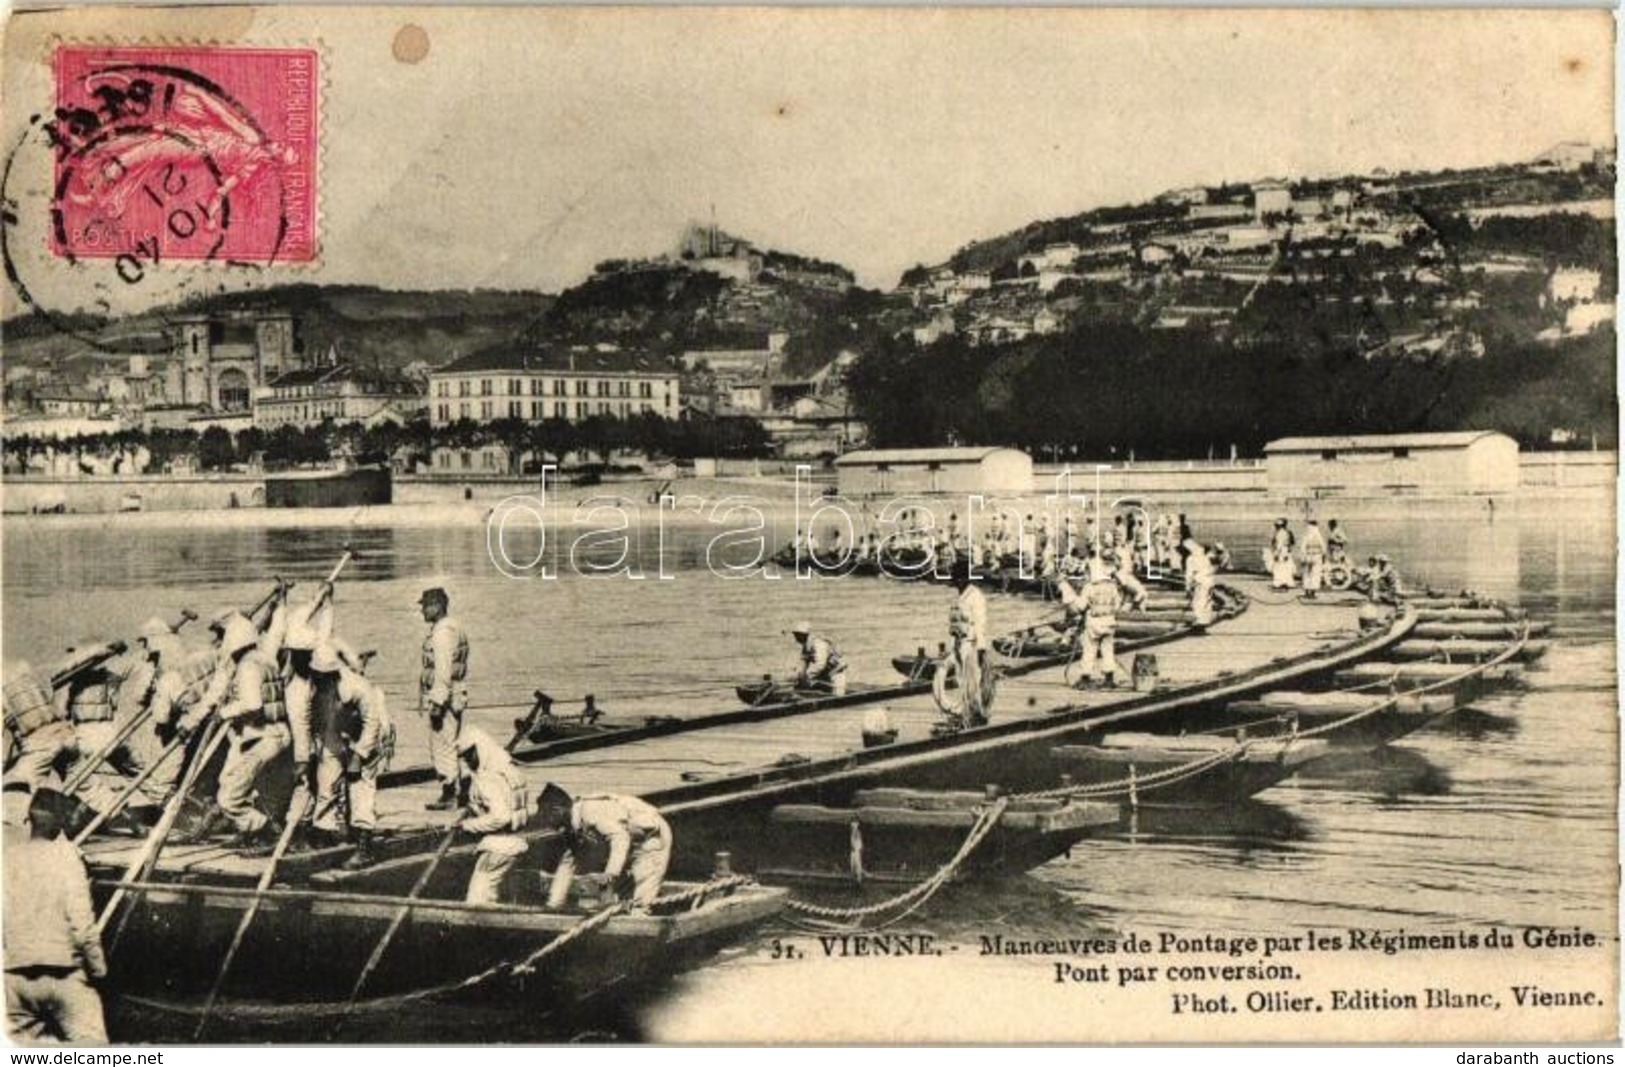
(1501, 657)
(1394, 695)
(532, 963)
(1133, 784)
(911, 899)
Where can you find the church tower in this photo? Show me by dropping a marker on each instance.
(273, 342)
(193, 349)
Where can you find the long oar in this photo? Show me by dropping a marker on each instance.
(260, 887)
(394, 927)
(129, 791)
(160, 833)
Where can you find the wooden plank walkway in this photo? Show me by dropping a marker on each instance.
(1267, 631)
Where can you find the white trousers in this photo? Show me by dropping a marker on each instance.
(1283, 573)
(1099, 640)
(1202, 599)
(246, 758)
(443, 745)
(330, 786)
(498, 854)
(34, 761)
(647, 866)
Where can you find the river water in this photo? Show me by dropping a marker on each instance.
(1504, 814)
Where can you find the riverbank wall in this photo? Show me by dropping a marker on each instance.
(1175, 485)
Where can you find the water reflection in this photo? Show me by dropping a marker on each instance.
(1245, 826)
(1390, 772)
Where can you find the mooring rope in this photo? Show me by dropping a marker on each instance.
(913, 898)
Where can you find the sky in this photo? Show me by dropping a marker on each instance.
(524, 146)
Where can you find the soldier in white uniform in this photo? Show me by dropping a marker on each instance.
(255, 715)
(104, 703)
(353, 739)
(498, 809)
(443, 690)
(1199, 581)
(967, 622)
(638, 838)
(1122, 565)
(1313, 551)
(1103, 598)
(1282, 569)
(91, 699)
(822, 667)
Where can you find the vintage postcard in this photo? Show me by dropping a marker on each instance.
(752, 525)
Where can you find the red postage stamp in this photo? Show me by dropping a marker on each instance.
(185, 153)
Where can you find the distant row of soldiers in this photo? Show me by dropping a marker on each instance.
(1322, 560)
(1037, 542)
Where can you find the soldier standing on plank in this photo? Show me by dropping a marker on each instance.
(443, 691)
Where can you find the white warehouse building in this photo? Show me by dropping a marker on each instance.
(935, 470)
(1419, 464)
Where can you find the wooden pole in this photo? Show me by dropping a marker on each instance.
(333, 576)
(160, 833)
(277, 590)
(129, 791)
(89, 767)
(394, 926)
(260, 887)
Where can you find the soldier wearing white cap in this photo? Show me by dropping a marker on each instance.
(638, 838)
(353, 740)
(822, 667)
(159, 680)
(1384, 580)
(498, 809)
(255, 715)
(443, 690)
(967, 623)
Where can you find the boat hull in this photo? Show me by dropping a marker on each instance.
(1247, 771)
(303, 952)
(899, 836)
